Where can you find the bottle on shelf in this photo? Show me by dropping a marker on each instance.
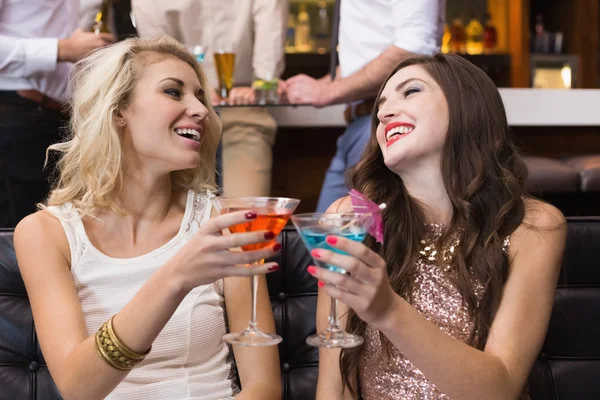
(102, 20)
(540, 38)
(446, 39)
(490, 35)
(474, 36)
(303, 39)
(457, 38)
(290, 37)
(322, 31)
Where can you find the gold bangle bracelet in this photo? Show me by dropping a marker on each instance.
(113, 351)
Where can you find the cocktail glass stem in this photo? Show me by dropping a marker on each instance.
(252, 335)
(333, 321)
(334, 335)
(253, 291)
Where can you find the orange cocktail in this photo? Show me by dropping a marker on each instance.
(263, 222)
(272, 215)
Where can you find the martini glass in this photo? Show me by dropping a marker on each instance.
(272, 215)
(199, 51)
(314, 229)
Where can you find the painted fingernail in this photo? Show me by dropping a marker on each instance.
(274, 267)
(269, 235)
(250, 215)
(311, 270)
(316, 253)
(331, 240)
(277, 247)
(321, 284)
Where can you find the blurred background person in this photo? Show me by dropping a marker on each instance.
(374, 36)
(39, 41)
(255, 31)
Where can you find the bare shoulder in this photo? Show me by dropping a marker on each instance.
(544, 228)
(39, 232)
(343, 204)
(541, 215)
(38, 224)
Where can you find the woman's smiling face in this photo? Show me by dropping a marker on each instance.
(413, 119)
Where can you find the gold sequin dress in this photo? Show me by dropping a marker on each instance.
(394, 377)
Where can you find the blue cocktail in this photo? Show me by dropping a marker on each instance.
(314, 238)
(199, 51)
(314, 229)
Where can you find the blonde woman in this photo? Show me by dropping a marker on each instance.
(127, 246)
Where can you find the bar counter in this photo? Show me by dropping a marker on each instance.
(524, 107)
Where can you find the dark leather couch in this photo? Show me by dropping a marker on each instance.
(568, 367)
(571, 184)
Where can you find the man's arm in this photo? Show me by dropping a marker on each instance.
(365, 82)
(21, 57)
(302, 89)
(327, 78)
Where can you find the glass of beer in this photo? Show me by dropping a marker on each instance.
(225, 63)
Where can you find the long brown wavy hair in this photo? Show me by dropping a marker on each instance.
(484, 178)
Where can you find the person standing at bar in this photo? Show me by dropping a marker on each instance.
(255, 30)
(374, 36)
(38, 44)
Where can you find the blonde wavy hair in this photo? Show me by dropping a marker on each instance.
(90, 165)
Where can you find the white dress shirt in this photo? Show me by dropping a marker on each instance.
(368, 27)
(254, 29)
(29, 33)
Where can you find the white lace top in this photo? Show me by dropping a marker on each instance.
(189, 359)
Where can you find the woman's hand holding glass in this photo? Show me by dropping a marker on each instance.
(208, 257)
(365, 287)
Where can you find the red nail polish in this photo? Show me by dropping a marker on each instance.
(274, 268)
(321, 284)
(316, 253)
(331, 240)
(269, 235)
(250, 215)
(277, 247)
(311, 270)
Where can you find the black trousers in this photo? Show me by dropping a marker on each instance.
(26, 131)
